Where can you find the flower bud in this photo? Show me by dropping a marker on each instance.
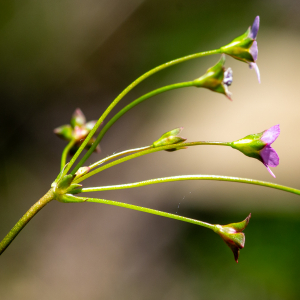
(233, 236)
(81, 171)
(170, 138)
(244, 47)
(216, 78)
(258, 146)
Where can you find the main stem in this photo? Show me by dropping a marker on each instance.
(25, 219)
(190, 177)
(125, 109)
(128, 89)
(121, 160)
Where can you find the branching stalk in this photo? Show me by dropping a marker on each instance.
(152, 150)
(124, 92)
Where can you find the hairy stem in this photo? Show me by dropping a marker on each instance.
(190, 177)
(121, 160)
(25, 219)
(124, 92)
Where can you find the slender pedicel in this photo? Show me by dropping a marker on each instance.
(128, 89)
(180, 145)
(188, 177)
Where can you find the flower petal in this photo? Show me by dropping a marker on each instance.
(228, 77)
(270, 135)
(254, 66)
(270, 170)
(254, 51)
(254, 28)
(269, 156)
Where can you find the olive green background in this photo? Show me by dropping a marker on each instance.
(56, 56)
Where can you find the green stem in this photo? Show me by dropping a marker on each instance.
(128, 89)
(121, 160)
(65, 153)
(104, 160)
(125, 109)
(143, 209)
(25, 219)
(190, 177)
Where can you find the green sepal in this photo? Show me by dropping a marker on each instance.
(239, 47)
(65, 132)
(172, 132)
(168, 141)
(68, 198)
(213, 77)
(250, 145)
(72, 187)
(65, 182)
(169, 138)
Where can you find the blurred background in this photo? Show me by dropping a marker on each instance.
(56, 56)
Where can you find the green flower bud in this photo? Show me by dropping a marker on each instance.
(216, 78)
(81, 171)
(170, 138)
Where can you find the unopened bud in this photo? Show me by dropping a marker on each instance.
(169, 138)
(81, 171)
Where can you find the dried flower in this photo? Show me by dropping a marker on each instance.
(77, 131)
(233, 236)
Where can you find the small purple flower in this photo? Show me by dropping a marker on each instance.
(244, 47)
(268, 154)
(259, 146)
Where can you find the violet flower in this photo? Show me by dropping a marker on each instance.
(259, 146)
(244, 47)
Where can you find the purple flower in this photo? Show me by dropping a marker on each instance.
(244, 47)
(259, 146)
(268, 154)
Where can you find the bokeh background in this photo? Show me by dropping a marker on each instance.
(56, 56)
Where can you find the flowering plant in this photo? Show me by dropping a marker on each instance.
(81, 135)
